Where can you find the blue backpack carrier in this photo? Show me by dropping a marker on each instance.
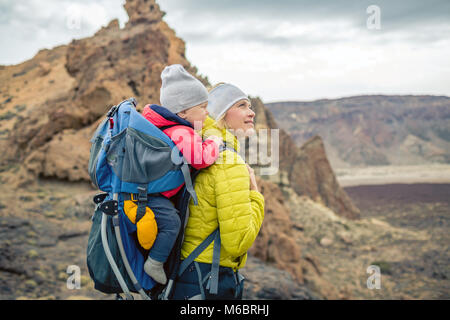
(130, 155)
(132, 158)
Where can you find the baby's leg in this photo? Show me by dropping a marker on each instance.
(168, 222)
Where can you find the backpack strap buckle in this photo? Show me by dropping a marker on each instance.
(142, 202)
(112, 111)
(110, 207)
(142, 194)
(99, 198)
(132, 197)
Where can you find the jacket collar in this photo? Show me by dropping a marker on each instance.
(161, 116)
(210, 128)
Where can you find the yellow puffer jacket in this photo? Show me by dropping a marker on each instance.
(224, 200)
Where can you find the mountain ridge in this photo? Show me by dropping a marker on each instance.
(372, 129)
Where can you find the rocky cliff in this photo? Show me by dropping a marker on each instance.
(50, 107)
(52, 102)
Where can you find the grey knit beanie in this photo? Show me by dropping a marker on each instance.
(180, 90)
(222, 98)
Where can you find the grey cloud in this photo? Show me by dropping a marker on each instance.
(412, 20)
(394, 12)
(251, 36)
(205, 21)
(28, 26)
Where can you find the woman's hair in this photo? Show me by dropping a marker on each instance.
(215, 86)
(221, 123)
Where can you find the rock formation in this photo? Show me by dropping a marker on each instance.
(62, 93)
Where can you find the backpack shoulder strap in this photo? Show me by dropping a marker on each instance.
(194, 254)
(214, 278)
(184, 169)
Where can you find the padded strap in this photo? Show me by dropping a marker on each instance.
(134, 196)
(188, 181)
(194, 254)
(214, 284)
(200, 283)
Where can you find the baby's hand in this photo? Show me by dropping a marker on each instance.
(216, 139)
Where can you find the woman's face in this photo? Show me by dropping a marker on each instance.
(240, 118)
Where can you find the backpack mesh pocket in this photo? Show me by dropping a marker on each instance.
(139, 158)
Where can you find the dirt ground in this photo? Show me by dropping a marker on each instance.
(404, 230)
(382, 175)
(423, 207)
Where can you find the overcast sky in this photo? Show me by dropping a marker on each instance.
(278, 50)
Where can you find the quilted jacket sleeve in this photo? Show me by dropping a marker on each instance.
(240, 210)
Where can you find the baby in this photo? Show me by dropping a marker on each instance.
(184, 100)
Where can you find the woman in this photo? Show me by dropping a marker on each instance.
(228, 201)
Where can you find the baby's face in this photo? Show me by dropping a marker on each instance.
(195, 115)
